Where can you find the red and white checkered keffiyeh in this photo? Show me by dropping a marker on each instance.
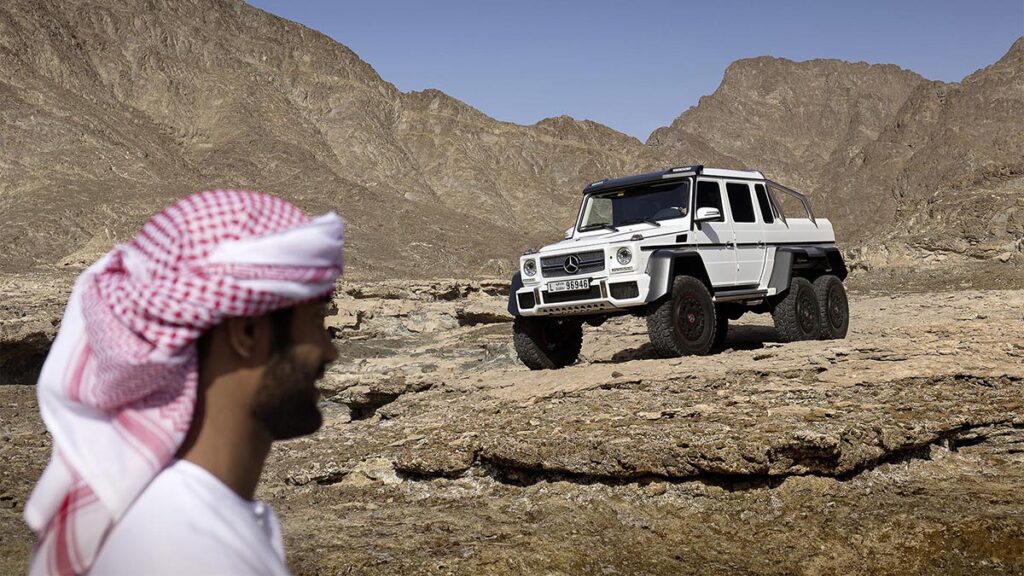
(118, 387)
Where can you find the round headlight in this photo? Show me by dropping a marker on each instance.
(530, 267)
(624, 255)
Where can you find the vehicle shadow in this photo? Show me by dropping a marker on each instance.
(739, 338)
(750, 337)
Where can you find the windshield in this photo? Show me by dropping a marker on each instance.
(651, 203)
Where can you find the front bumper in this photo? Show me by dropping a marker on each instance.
(535, 300)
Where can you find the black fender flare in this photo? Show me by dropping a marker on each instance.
(786, 257)
(836, 263)
(513, 303)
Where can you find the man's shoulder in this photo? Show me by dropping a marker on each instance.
(172, 513)
(176, 493)
(185, 522)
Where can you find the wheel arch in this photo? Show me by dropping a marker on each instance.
(513, 303)
(806, 261)
(667, 263)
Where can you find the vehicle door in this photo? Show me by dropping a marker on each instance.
(748, 233)
(775, 229)
(715, 239)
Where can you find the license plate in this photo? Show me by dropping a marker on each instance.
(569, 285)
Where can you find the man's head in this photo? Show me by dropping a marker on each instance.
(262, 370)
(124, 389)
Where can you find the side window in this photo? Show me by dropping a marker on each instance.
(740, 203)
(709, 195)
(764, 204)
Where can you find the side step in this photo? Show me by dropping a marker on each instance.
(732, 295)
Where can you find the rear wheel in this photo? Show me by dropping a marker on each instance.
(721, 328)
(685, 322)
(547, 343)
(833, 306)
(797, 315)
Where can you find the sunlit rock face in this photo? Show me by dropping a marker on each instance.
(111, 112)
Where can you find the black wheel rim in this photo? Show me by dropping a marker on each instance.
(836, 307)
(805, 311)
(690, 318)
(543, 339)
(551, 336)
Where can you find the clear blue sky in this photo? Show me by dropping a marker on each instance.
(637, 65)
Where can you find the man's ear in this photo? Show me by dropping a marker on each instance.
(242, 335)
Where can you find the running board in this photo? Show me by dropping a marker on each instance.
(732, 295)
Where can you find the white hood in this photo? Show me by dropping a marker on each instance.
(589, 239)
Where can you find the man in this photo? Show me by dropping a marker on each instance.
(181, 357)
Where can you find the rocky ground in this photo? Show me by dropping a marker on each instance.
(898, 450)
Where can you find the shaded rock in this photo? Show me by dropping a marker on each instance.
(488, 312)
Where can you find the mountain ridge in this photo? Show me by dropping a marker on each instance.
(111, 113)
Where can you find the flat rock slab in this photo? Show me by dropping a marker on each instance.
(758, 410)
(896, 450)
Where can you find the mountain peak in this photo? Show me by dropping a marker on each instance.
(771, 71)
(113, 113)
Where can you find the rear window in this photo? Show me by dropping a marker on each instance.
(764, 204)
(740, 202)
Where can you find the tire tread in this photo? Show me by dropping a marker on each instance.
(660, 324)
(821, 288)
(533, 354)
(784, 313)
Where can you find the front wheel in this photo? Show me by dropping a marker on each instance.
(685, 322)
(547, 343)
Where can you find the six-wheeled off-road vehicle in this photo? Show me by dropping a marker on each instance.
(689, 248)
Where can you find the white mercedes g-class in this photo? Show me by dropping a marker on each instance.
(689, 248)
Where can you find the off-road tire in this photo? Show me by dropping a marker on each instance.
(721, 329)
(834, 306)
(797, 315)
(685, 322)
(547, 343)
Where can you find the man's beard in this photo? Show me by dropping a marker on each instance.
(286, 402)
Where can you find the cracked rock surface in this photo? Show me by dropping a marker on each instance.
(899, 450)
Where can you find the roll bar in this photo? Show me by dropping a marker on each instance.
(804, 201)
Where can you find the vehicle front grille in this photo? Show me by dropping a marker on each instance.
(558, 297)
(554, 266)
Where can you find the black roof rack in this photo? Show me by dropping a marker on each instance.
(646, 178)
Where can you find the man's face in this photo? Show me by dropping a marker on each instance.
(286, 400)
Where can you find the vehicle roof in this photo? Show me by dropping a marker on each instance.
(669, 173)
(724, 173)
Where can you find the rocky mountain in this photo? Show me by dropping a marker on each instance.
(109, 110)
(905, 167)
(951, 166)
(792, 119)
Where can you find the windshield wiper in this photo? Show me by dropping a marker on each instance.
(597, 225)
(648, 220)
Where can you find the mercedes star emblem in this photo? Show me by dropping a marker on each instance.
(572, 264)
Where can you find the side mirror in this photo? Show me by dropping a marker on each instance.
(568, 233)
(708, 214)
